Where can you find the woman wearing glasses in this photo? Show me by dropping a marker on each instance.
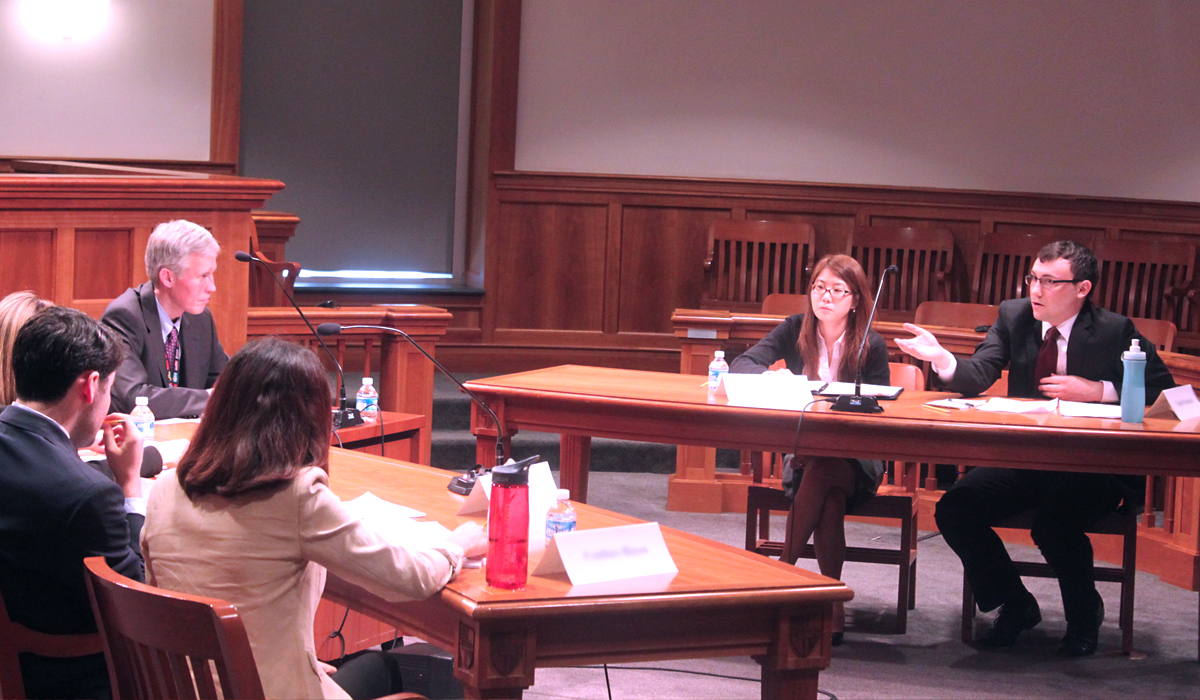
(824, 344)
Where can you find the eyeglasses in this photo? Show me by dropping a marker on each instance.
(835, 293)
(1047, 282)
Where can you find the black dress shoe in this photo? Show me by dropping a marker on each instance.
(838, 639)
(1015, 617)
(1083, 636)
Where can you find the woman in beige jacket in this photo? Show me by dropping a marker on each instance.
(250, 519)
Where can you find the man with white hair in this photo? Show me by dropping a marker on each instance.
(172, 353)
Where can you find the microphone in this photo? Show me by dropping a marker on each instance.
(460, 484)
(344, 416)
(859, 403)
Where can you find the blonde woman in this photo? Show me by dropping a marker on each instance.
(15, 310)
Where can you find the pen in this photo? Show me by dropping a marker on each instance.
(936, 408)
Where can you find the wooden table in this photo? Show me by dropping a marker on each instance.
(585, 402)
(723, 602)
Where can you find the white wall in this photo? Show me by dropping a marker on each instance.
(1090, 97)
(141, 88)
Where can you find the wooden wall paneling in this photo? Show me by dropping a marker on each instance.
(27, 261)
(832, 230)
(612, 271)
(662, 264)
(104, 263)
(226, 107)
(1086, 235)
(550, 266)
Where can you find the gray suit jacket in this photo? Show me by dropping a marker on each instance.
(143, 370)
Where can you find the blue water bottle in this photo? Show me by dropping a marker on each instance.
(1133, 385)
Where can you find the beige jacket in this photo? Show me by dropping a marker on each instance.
(268, 556)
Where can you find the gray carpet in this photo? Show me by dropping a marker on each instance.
(929, 661)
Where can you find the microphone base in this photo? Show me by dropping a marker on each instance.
(346, 418)
(463, 483)
(857, 404)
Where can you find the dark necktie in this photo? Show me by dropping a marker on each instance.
(173, 357)
(1047, 358)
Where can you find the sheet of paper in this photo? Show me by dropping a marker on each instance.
(372, 507)
(780, 391)
(608, 554)
(998, 404)
(1078, 409)
(957, 404)
(847, 388)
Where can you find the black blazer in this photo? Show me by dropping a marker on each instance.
(143, 370)
(1098, 339)
(780, 343)
(54, 511)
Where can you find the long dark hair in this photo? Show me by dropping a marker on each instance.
(849, 271)
(267, 418)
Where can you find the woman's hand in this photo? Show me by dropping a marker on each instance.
(471, 537)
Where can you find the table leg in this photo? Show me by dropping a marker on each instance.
(574, 458)
(793, 663)
(800, 684)
(494, 663)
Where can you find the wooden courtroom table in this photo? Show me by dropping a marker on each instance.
(585, 402)
(405, 375)
(723, 602)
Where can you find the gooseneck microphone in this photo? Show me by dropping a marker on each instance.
(344, 416)
(859, 403)
(460, 484)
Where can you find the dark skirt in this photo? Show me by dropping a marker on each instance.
(868, 474)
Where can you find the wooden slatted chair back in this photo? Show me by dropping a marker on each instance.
(1161, 333)
(1147, 279)
(924, 258)
(162, 644)
(1003, 262)
(748, 260)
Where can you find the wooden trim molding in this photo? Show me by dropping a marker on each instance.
(224, 142)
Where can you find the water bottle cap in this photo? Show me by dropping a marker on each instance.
(141, 401)
(367, 381)
(514, 474)
(1135, 351)
(719, 353)
(563, 494)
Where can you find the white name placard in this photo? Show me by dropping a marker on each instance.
(1180, 400)
(782, 391)
(608, 554)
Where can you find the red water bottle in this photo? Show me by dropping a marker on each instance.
(508, 526)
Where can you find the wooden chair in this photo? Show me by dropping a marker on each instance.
(786, 304)
(162, 644)
(1146, 279)
(263, 291)
(748, 260)
(1123, 524)
(1161, 333)
(19, 639)
(953, 314)
(1003, 262)
(896, 501)
(924, 257)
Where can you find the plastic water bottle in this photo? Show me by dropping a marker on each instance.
(560, 518)
(716, 368)
(1133, 385)
(143, 417)
(508, 528)
(367, 401)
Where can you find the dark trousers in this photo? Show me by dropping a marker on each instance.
(370, 674)
(1064, 503)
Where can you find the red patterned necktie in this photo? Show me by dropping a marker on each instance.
(173, 357)
(1047, 358)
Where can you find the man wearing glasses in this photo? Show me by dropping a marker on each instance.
(1055, 344)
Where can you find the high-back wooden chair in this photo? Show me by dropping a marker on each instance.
(786, 304)
(1003, 261)
(263, 291)
(1146, 279)
(924, 257)
(161, 644)
(1161, 333)
(896, 500)
(748, 260)
(19, 639)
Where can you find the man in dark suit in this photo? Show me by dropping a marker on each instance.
(1055, 344)
(54, 509)
(172, 355)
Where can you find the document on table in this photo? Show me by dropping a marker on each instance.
(395, 523)
(999, 404)
(1069, 409)
(782, 391)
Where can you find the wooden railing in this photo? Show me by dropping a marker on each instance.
(405, 375)
(1170, 549)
